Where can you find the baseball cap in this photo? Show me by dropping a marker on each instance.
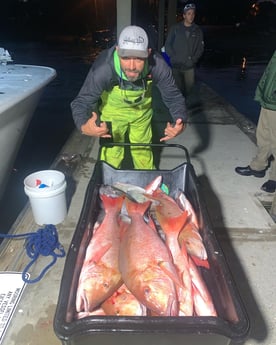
(133, 41)
(189, 7)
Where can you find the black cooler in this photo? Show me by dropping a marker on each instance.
(232, 322)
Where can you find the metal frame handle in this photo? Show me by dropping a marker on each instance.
(187, 155)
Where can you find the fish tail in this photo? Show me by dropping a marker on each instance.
(110, 202)
(174, 224)
(135, 207)
(153, 185)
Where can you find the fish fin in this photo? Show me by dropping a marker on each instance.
(195, 247)
(79, 300)
(190, 229)
(203, 303)
(165, 267)
(185, 204)
(124, 222)
(200, 262)
(96, 227)
(184, 251)
(190, 237)
(153, 185)
(98, 254)
(151, 224)
(198, 282)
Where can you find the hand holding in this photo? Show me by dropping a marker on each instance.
(92, 129)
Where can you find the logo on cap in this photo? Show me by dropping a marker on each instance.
(133, 42)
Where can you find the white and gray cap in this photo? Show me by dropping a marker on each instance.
(188, 7)
(133, 42)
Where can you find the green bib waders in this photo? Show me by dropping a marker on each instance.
(129, 112)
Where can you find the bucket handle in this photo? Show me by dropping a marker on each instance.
(151, 145)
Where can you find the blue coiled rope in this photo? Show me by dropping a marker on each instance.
(42, 242)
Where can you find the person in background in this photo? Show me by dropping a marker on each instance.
(118, 92)
(184, 46)
(266, 130)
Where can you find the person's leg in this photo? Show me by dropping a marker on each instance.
(189, 80)
(114, 155)
(263, 136)
(178, 77)
(141, 132)
(270, 185)
(259, 163)
(271, 114)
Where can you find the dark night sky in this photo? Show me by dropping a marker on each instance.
(31, 18)
(34, 17)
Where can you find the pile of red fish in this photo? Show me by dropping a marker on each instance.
(143, 256)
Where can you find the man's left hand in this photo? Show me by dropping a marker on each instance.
(172, 131)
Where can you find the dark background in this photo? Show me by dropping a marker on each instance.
(40, 19)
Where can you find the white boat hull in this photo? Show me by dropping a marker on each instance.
(21, 87)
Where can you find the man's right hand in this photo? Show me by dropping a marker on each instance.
(92, 129)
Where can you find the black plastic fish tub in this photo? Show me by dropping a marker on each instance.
(232, 322)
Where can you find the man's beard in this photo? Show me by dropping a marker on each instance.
(132, 78)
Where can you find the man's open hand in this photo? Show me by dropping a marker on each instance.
(92, 129)
(172, 131)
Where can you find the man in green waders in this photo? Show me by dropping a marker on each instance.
(116, 98)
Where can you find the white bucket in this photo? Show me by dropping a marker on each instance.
(46, 192)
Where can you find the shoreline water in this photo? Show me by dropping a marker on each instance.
(52, 122)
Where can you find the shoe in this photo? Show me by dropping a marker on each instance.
(247, 171)
(269, 186)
